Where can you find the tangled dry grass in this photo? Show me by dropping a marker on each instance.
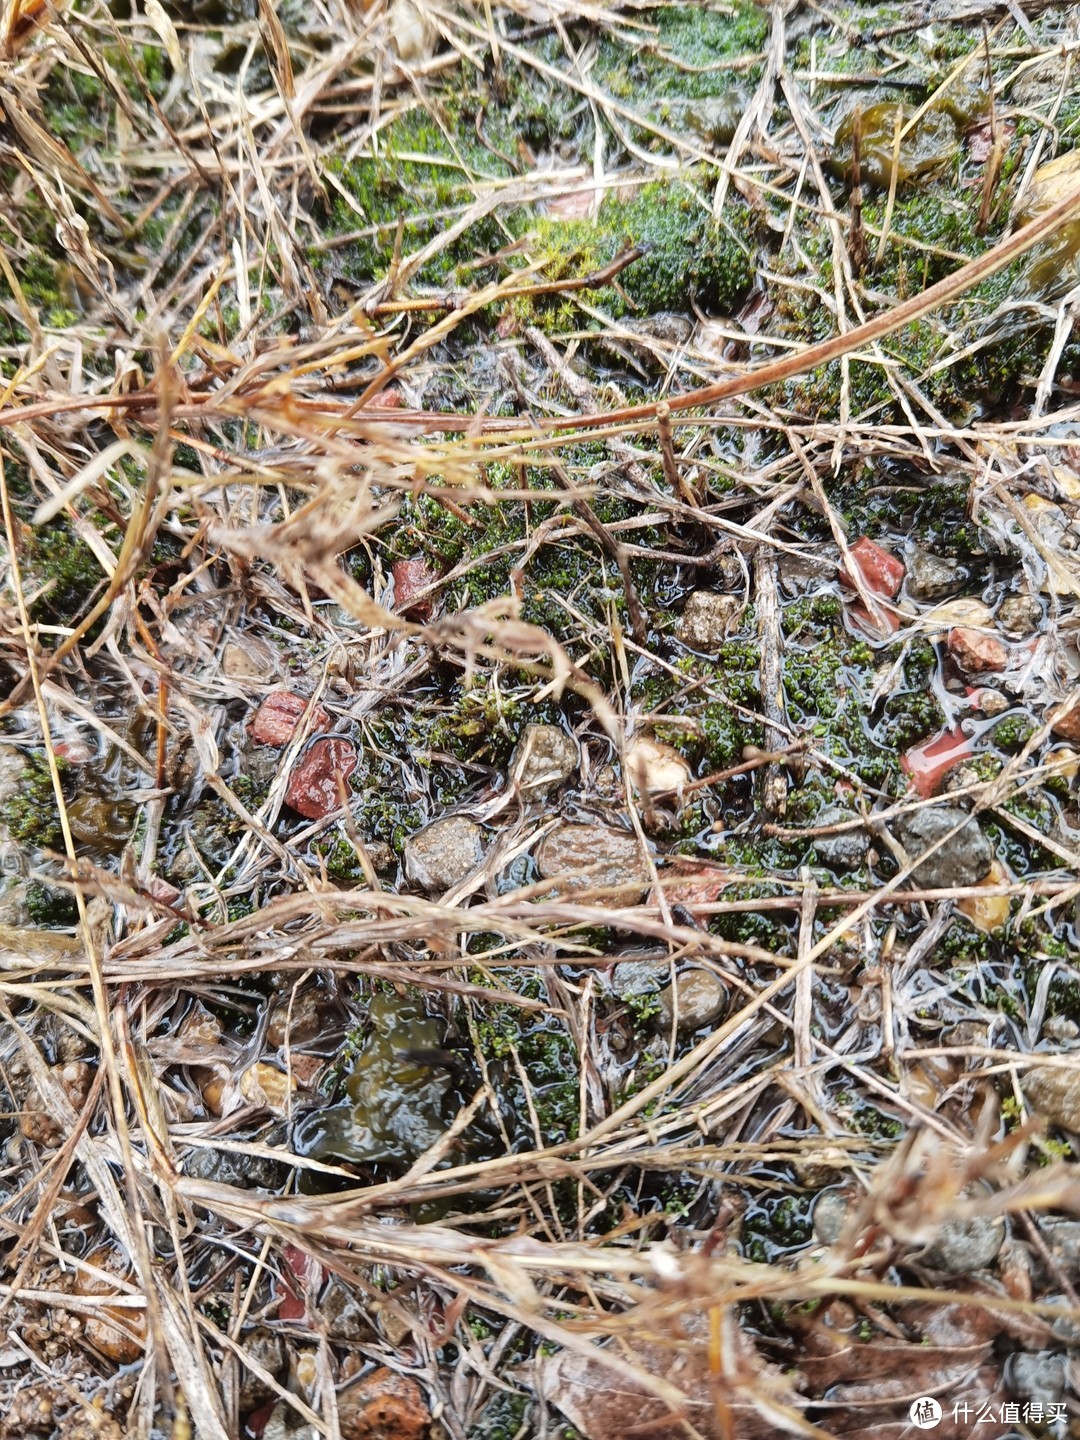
(209, 420)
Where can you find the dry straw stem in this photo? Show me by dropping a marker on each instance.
(945, 292)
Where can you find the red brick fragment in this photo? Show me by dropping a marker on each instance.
(275, 721)
(927, 764)
(410, 577)
(388, 399)
(313, 785)
(975, 651)
(383, 1406)
(880, 572)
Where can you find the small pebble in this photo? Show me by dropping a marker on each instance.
(276, 719)
(930, 577)
(964, 860)
(543, 759)
(880, 571)
(831, 1210)
(975, 652)
(1039, 1375)
(441, 855)
(411, 577)
(1055, 1094)
(708, 618)
(845, 851)
(1019, 614)
(699, 999)
(586, 857)
(313, 785)
(964, 1246)
(383, 1406)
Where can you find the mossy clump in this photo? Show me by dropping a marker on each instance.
(64, 568)
(29, 814)
(691, 259)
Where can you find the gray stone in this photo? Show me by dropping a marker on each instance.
(1019, 614)
(708, 618)
(831, 1210)
(846, 851)
(589, 857)
(1040, 1375)
(248, 1171)
(963, 860)
(701, 1000)
(1055, 1094)
(1063, 1241)
(1061, 1029)
(440, 856)
(929, 577)
(344, 1315)
(1068, 1331)
(963, 1246)
(544, 757)
(633, 978)
(268, 1351)
(799, 573)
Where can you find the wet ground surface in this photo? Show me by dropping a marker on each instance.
(479, 880)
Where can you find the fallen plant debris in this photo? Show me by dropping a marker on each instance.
(538, 810)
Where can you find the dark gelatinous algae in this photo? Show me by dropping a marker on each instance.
(403, 1096)
(929, 144)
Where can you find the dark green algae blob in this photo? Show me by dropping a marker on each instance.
(402, 1097)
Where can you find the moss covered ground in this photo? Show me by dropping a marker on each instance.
(334, 348)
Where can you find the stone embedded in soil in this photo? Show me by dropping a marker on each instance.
(37, 1122)
(383, 1406)
(631, 979)
(313, 785)
(543, 759)
(699, 999)
(966, 611)
(1055, 1094)
(1038, 1375)
(275, 721)
(410, 578)
(1068, 726)
(881, 572)
(114, 1331)
(926, 765)
(961, 861)
(656, 768)
(266, 1086)
(965, 1245)
(269, 1353)
(1019, 614)
(695, 890)
(975, 652)
(592, 857)
(296, 1018)
(831, 1211)
(987, 912)
(253, 1172)
(845, 851)
(249, 657)
(930, 577)
(707, 619)
(441, 855)
(990, 702)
